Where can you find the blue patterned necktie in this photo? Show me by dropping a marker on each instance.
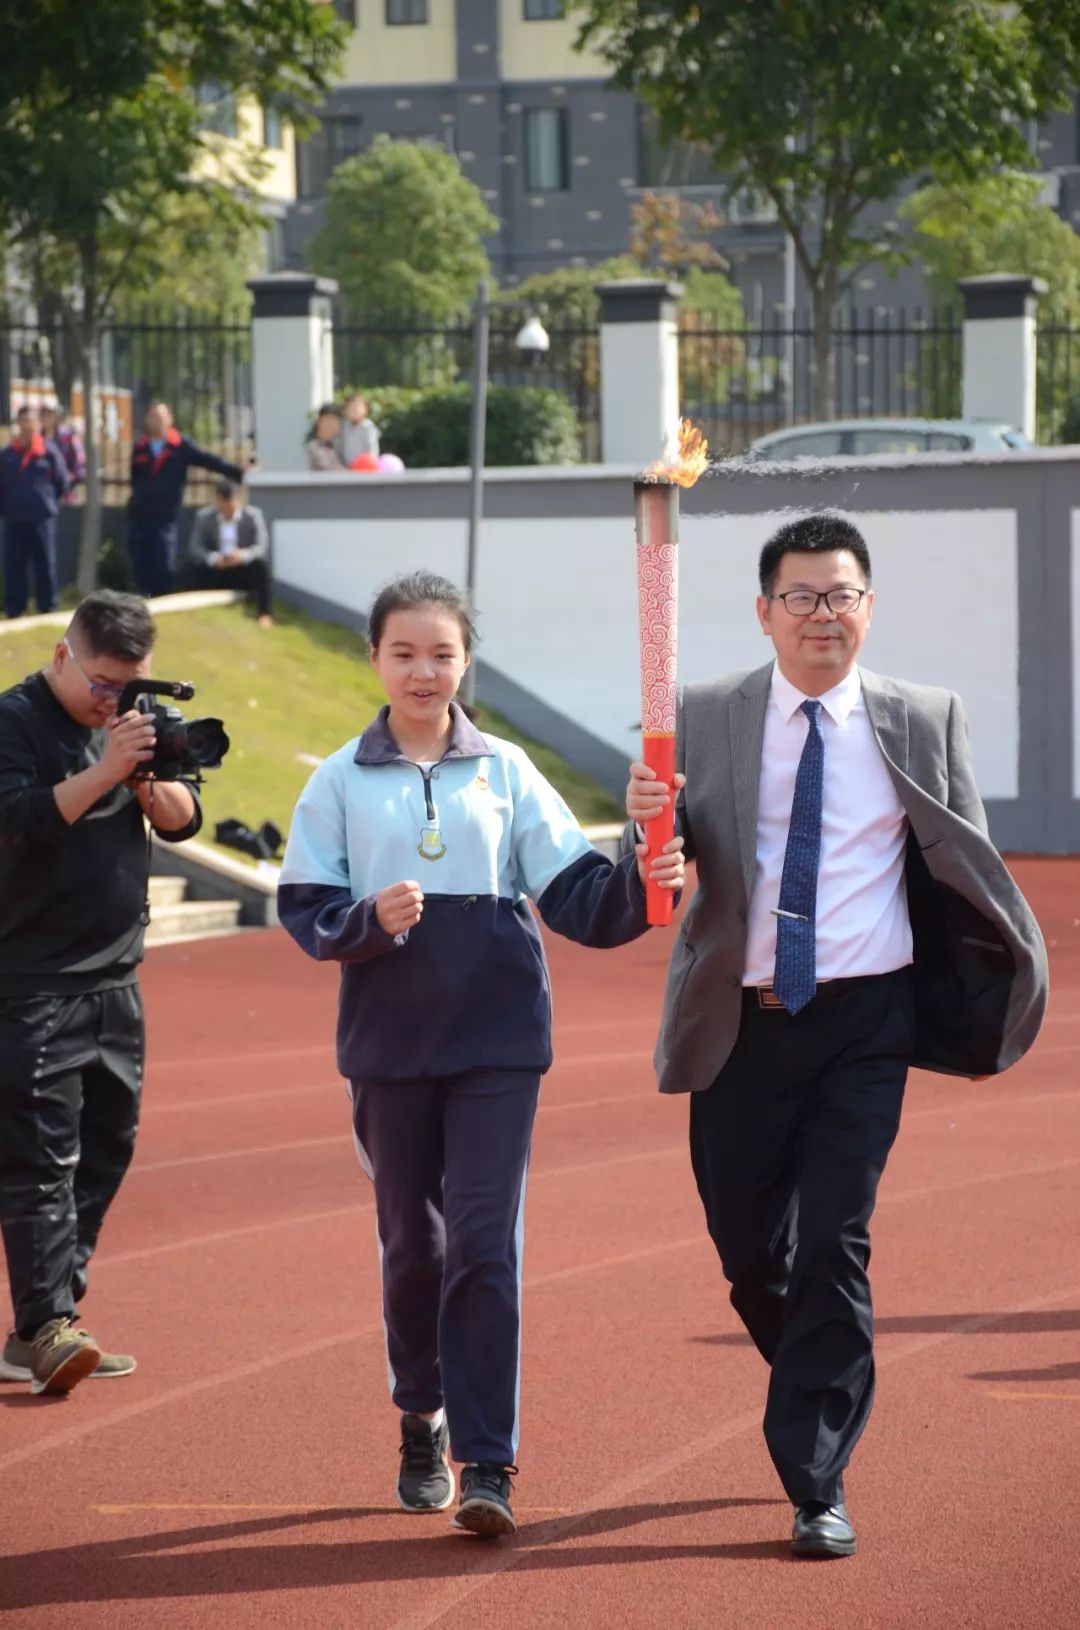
(795, 978)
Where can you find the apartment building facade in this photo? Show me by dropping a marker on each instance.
(559, 156)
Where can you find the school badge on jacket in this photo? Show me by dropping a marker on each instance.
(431, 845)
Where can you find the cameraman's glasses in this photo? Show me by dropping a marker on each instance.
(103, 692)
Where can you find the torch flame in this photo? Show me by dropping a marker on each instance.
(691, 459)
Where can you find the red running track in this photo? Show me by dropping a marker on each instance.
(245, 1475)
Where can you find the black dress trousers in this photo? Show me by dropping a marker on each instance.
(788, 1146)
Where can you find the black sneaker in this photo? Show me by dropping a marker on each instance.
(485, 1501)
(425, 1481)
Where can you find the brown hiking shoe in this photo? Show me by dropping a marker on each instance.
(16, 1362)
(61, 1355)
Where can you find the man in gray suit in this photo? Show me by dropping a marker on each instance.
(852, 918)
(230, 549)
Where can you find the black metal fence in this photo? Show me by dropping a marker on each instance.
(1057, 375)
(203, 370)
(741, 383)
(737, 383)
(391, 350)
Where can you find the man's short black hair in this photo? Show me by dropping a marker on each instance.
(109, 624)
(226, 488)
(812, 535)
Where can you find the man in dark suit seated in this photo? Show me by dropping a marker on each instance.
(230, 549)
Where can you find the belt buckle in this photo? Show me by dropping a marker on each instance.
(767, 997)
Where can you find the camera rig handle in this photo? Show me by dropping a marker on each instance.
(180, 689)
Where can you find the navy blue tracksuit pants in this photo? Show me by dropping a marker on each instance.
(448, 1156)
(152, 547)
(29, 546)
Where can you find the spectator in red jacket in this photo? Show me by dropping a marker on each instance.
(160, 462)
(33, 482)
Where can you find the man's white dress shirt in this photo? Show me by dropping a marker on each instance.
(862, 914)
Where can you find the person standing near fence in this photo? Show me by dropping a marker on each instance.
(358, 434)
(160, 461)
(68, 444)
(33, 482)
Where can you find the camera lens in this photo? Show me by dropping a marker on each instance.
(206, 743)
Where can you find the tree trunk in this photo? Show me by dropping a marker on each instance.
(823, 294)
(62, 353)
(90, 532)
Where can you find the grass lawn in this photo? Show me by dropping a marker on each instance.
(288, 695)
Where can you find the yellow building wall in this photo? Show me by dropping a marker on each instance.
(543, 50)
(279, 179)
(401, 54)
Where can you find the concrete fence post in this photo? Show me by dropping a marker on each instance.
(999, 348)
(292, 361)
(639, 369)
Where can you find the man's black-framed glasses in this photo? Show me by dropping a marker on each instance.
(804, 602)
(103, 692)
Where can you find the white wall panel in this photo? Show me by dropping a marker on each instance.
(558, 606)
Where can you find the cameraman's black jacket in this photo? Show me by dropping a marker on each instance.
(71, 897)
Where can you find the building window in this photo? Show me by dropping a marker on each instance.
(273, 133)
(544, 11)
(546, 145)
(217, 109)
(345, 11)
(344, 139)
(672, 164)
(319, 156)
(406, 11)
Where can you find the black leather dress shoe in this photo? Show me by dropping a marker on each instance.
(822, 1530)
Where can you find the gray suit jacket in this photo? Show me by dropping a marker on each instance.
(980, 963)
(252, 541)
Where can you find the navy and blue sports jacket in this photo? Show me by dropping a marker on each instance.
(32, 481)
(482, 831)
(157, 482)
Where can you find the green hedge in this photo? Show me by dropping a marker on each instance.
(430, 429)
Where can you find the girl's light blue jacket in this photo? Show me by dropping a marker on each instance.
(482, 832)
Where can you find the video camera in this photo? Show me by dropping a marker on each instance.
(184, 747)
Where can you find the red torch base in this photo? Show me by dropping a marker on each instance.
(658, 752)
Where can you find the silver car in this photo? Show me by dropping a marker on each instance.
(867, 438)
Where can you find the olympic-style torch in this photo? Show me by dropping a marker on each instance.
(656, 519)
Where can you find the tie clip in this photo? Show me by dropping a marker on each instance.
(796, 916)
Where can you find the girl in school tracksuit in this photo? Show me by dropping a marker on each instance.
(412, 853)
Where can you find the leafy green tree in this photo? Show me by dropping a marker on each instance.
(998, 224)
(567, 297)
(829, 107)
(670, 234)
(404, 231)
(101, 132)
(203, 259)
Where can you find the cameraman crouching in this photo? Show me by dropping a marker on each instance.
(73, 888)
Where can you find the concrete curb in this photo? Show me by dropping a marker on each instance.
(190, 600)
